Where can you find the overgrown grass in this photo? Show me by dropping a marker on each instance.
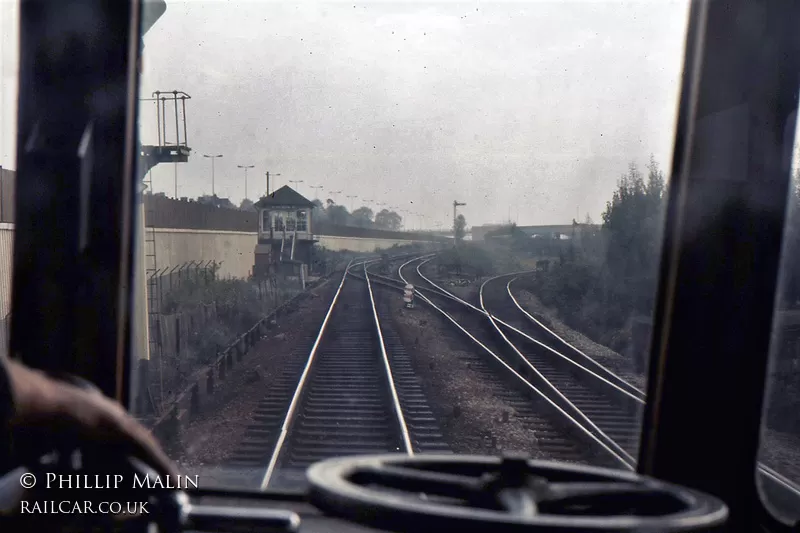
(589, 301)
(235, 304)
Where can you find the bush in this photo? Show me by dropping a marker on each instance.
(466, 259)
(233, 305)
(591, 301)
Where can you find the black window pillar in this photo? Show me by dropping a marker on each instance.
(71, 295)
(727, 203)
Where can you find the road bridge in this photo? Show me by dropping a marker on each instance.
(548, 231)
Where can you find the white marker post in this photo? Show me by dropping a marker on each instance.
(408, 296)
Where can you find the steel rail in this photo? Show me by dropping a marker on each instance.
(554, 334)
(528, 384)
(583, 416)
(516, 330)
(524, 380)
(395, 399)
(300, 386)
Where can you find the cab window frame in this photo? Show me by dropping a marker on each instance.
(725, 68)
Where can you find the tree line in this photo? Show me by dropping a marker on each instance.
(605, 277)
(330, 212)
(363, 217)
(605, 280)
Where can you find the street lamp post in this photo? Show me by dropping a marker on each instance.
(404, 219)
(245, 167)
(268, 181)
(317, 187)
(297, 182)
(212, 157)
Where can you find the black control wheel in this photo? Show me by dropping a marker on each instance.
(459, 493)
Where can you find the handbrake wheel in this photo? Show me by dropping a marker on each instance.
(403, 493)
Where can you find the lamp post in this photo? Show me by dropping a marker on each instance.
(245, 167)
(317, 187)
(268, 181)
(297, 182)
(212, 157)
(404, 219)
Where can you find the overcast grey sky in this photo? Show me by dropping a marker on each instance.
(8, 82)
(531, 109)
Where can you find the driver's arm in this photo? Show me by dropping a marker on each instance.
(31, 400)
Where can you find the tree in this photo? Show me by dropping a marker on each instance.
(633, 222)
(320, 215)
(362, 217)
(460, 228)
(390, 220)
(247, 205)
(216, 201)
(337, 214)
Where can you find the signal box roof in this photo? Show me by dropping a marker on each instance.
(285, 196)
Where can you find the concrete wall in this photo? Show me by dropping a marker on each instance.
(236, 249)
(7, 194)
(174, 247)
(233, 249)
(6, 262)
(359, 244)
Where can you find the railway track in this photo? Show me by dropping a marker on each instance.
(525, 320)
(315, 397)
(601, 401)
(779, 483)
(351, 393)
(615, 411)
(613, 404)
(515, 381)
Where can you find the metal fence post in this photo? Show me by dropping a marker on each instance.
(207, 276)
(171, 272)
(160, 283)
(189, 266)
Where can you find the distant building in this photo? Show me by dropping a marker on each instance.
(285, 233)
(479, 232)
(216, 201)
(554, 231)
